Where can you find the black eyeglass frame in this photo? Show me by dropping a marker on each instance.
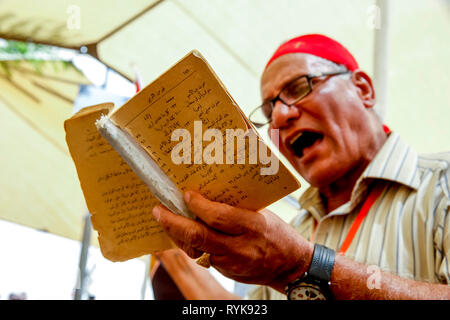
(271, 102)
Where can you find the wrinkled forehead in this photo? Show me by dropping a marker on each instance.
(288, 67)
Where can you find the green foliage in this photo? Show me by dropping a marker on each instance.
(24, 52)
(23, 48)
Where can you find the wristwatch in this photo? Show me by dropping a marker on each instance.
(315, 283)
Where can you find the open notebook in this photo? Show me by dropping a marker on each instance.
(182, 132)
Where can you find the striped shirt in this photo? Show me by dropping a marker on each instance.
(406, 231)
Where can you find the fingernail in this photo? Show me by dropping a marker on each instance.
(156, 213)
(187, 197)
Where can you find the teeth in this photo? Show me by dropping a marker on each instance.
(296, 137)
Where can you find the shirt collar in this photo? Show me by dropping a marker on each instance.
(396, 162)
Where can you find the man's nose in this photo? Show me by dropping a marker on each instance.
(282, 114)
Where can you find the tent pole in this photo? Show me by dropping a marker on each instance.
(82, 276)
(381, 55)
(146, 277)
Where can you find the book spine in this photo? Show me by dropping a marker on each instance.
(144, 166)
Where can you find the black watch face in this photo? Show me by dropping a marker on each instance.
(306, 291)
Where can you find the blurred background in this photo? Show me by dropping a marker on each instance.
(57, 56)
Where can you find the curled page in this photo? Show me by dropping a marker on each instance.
(144, 167)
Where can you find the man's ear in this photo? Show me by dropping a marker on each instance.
(365, 87)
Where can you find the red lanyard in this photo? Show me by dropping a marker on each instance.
(373, 196)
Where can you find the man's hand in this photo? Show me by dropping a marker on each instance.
(246, 246)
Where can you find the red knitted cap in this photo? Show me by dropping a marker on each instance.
(318, 45)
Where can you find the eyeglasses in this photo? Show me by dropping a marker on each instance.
(291, 94)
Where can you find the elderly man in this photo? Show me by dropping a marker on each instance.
(375, 222)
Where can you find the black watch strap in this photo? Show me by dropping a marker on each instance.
(322, 263)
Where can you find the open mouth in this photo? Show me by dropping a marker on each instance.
(304, 140)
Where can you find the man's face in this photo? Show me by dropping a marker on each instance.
(323, 135)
